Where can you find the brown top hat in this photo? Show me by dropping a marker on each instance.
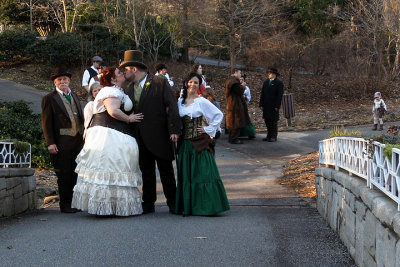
(273, 70)
(58, 72)
(133, 58)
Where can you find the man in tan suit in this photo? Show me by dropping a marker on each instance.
(62, 124)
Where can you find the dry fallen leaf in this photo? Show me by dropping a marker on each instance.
(200, 237)
(43, 219)
(10, 247)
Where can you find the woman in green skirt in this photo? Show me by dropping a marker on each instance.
(200, 190)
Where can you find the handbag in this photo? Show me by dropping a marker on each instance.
(381, 110)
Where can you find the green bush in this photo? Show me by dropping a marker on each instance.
(97, 40)
(19, 123)
(14, 43)
(60, 49)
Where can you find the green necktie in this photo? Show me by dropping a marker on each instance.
(270, 82)
(137, 91)
(68, 97)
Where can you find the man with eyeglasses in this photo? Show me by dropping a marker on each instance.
(93, 71)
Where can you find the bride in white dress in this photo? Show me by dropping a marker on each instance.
(107, 166)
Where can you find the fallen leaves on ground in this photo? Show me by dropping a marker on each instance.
(299, 174)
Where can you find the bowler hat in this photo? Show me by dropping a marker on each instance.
(133, 58)
(273, 70)
(58, 72)
(160, 66)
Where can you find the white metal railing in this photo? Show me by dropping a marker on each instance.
(352, 155)
(8, 157)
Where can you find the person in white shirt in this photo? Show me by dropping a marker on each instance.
(161, 70)
(88, 110)
(246, 92)
(91, 72)
(378, 109)
(200, 190)
(198, 68)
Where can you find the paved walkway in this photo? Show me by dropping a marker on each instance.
(268, 225)
(11, 91)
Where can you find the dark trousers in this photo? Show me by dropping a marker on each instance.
(147, 164)
(64, 166)
(272, 128)
(233, 134)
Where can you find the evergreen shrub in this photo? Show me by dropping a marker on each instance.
(19, 123)
(14, 43)
(59, 49)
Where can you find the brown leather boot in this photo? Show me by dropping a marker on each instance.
(375, 127)
(381, 127)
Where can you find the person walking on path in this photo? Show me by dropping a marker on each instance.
(237, 115)
(62, 124)
(379, 110)
(161, 125)
(108, 164)
(270, 103)
(200, 190)
(161, 70)
(91, 72)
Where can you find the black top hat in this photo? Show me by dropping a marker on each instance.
(160, 66)
(273, 70)
(58, 72)
(133, 58)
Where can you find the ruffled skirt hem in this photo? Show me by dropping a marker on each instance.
(107, 200)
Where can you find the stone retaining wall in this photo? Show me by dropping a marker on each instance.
(367, 221)
(17, 191)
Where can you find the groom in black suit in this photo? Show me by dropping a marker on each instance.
(161, 125)
(62, 124)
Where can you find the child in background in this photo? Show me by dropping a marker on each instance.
(378, 109)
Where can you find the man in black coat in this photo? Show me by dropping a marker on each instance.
(62, 124)
(270, 103)
(161, 125)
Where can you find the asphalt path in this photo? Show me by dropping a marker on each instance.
(11, 91)
(268, 224)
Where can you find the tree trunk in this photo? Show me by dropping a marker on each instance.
(135, 33)
(396, 62)
(65, 16)
(232, 53)
(185, 33)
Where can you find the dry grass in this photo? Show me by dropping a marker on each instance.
(299, 174)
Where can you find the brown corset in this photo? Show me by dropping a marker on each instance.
(190, 126)
(104, 119)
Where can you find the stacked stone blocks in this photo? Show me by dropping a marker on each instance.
(17, 191)
(367, 221)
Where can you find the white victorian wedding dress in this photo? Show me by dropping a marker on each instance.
(107, 166)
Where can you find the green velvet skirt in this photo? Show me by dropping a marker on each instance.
(200, 190)
(247, 131)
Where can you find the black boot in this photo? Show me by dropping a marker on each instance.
(381, 127)
(375, 127)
